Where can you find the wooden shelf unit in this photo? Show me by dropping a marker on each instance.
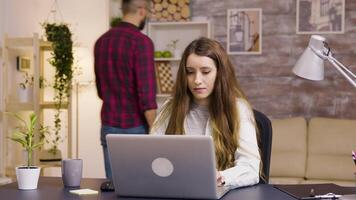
(163, 33)
(33, 48)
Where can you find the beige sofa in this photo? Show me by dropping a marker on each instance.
(318, 151)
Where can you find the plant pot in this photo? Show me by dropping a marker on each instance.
(27, 177)
(177, 53)
(25, 95)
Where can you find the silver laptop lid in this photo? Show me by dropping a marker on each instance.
(163, 166)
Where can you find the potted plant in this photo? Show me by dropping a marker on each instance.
(173, 47)
(25, 89)
(62, 60)
(28, 175)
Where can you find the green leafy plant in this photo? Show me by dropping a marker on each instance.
(115, 21)
(28, 81)
(173, 44)
(24, 134)
(62, 59)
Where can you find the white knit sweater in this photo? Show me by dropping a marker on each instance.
(247, 157)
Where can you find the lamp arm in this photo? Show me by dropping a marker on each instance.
(326, 54)
(342, 69)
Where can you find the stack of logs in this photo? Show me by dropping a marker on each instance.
(170, 10)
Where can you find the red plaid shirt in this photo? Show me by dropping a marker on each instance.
(125, 76)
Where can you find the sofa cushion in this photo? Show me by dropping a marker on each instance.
(330, 142)
(289, 144)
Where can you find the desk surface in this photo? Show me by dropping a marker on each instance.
(52, 189)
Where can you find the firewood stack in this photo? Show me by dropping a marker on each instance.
(170, 10)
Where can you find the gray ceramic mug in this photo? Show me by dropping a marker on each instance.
(72, 172)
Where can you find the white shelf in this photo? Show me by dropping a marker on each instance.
(19, 42)
(27, 42)
(16, 107)
(178, 23)
(160, 95)
(52, 105)
(163, 33)
(168, 59)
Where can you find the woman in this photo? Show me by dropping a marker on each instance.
(207, 100)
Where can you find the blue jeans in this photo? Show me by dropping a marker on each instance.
(114, 130)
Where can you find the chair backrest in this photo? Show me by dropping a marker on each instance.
(264, 142)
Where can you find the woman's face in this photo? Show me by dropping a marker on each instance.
(201, 75)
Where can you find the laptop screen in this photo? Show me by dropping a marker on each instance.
(172, 166)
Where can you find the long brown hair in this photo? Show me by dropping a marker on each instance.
(222, 104)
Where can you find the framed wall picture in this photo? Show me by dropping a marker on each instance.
(244, 31)
(320, 16)
(23, 63)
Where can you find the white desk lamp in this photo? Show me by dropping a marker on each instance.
(311, 64)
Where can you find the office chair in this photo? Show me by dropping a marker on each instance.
(264, 142)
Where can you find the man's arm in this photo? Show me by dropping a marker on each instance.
(150, 116)
(146, 80)
(96, 69)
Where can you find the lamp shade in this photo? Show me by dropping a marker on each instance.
(311, 65)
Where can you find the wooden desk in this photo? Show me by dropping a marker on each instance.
(50, 188)
(299, 190)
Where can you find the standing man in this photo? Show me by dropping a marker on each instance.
(125, 77)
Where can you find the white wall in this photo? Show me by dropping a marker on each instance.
(88, 19)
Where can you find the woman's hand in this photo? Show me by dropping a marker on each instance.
(220, 179)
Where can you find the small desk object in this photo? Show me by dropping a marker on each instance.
(316, 191)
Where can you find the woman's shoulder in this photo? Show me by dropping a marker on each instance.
(244, 108)
(243, 104)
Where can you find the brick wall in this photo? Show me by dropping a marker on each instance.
(267, 79)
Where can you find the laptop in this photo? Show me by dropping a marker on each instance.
(164, 166)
